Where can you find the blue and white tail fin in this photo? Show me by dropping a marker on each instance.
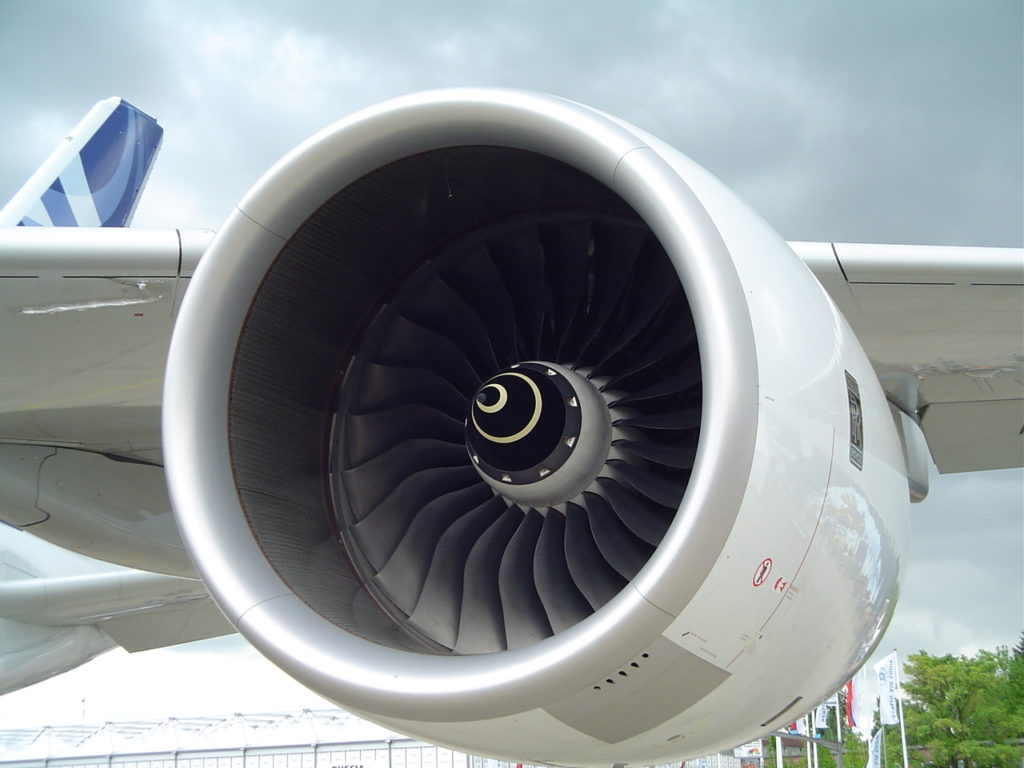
(95, 176)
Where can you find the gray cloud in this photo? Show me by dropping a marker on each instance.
(867, 121)
(964, 588)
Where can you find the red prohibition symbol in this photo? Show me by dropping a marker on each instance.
(762, 571)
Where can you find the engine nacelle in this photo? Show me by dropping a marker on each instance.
(495, 420)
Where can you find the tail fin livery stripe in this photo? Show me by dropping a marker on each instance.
(116, 162)
(56, 203)
(77, 196)
(95, 176)
(37, 216)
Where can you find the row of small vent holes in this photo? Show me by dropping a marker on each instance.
(622, 672)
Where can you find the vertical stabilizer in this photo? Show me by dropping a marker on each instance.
(96, 174)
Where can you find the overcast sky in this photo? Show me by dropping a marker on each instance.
(849, 121)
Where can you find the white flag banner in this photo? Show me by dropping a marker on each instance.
(875, 750)
(886, 672)
(821, 717)
(860, 706)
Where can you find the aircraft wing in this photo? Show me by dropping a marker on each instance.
(944, 329)
(89, 314)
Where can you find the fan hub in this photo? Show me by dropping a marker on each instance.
(538, 433)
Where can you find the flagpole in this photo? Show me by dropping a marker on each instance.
(899, 705)
(807, 729)
(839, 722)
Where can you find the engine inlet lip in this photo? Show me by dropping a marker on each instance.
(370, 677)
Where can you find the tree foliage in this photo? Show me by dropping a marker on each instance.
(960, 712)
(966, 711)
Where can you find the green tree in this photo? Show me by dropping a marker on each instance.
(966, 711)
(1015, 677)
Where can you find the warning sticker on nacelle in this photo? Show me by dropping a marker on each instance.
(856, 422)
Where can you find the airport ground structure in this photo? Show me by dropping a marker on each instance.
(307, 739)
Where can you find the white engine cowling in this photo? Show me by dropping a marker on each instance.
(493, 419)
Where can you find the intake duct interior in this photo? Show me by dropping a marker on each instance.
(418, 297)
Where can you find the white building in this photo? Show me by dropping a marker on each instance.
(308, 739)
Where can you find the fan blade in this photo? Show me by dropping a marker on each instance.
(685, 418)
(381, 527)
(373, 481)
(615, 252)
(383, 387)
(661, 348)
(438, 308)
(410, 345)
(525, 619)
(568, 248)
(679, 382)
(656, 285)
(437, 611)
(405, 572)
(520, 259)
(369, 434)
(473, 276)
(619, 546)
(481, 621)
(660, 487)
(563, 602)
(647, 520)
(668, 455)
(591, 573)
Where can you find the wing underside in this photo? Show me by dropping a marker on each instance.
(137, 610)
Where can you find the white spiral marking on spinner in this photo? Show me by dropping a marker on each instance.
(502, 400)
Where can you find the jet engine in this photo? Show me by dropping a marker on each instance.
(497, 421)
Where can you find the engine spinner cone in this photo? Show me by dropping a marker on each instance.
(538, 433)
